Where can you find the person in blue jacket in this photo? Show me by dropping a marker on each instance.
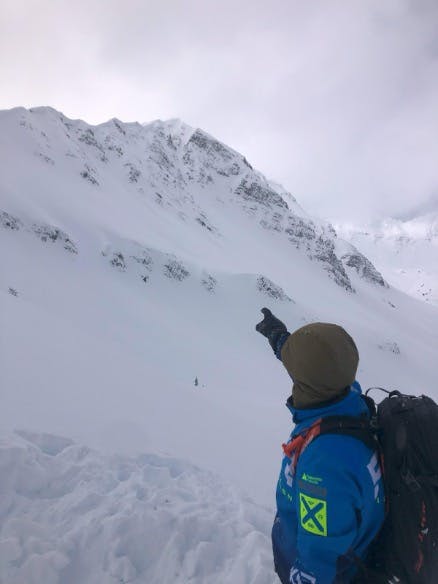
(330, 498)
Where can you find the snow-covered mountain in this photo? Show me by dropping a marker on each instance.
(135, 260)
(178, 174)
(405, 250)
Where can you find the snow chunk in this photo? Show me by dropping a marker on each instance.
(79, 516)
(48, 443)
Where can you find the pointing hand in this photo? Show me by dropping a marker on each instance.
(273, 329)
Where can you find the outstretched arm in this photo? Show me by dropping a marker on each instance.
(274, 330)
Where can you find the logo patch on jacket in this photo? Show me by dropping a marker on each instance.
(310, 479)
(299, 577)
(313, 514)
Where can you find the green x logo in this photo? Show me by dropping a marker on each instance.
(313, 515)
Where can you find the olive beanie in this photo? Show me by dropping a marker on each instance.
(322, 360)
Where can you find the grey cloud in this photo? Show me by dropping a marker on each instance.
(430, 205)
(336, 100)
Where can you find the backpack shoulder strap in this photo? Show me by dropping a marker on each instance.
(359, 428)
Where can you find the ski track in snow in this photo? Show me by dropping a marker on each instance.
(70, 515)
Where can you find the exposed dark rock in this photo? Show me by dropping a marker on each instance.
(247, 163)
(250, 209)
(119, 126)
(331, 230)
(144, 259)
(160, 157)
(175, 270)
(267, 286)
(117, 149)
(89, 175)
(171, 143)
(390, 346)
(209, 283)
(274, 222)
(65, 122)
(210, 145)
(363, 267)
(49, 233)
(304, 235)
(46, 158)
(324, 252)
(134, 174)
(233, 170)
(252, 190)
(204, 222)
(118, 261)
(299, 230)
(9, 221)
(89, 139)
(209, 157)
(111, 146)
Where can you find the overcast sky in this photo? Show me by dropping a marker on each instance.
(335, 99)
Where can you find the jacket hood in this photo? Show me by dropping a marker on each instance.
(351, 405)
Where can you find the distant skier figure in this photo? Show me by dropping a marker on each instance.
(330, 498)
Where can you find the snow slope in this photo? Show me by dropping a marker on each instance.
(79, 516)
(136, 259)
(406, 251)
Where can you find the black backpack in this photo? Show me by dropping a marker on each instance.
(404, 430)
(406, 550)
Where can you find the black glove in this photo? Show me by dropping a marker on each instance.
(274, 330)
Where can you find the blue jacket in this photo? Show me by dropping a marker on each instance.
(332, 508)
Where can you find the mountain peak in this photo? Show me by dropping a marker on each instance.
(173, 171)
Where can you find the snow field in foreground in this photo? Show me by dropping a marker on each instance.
(70, 515)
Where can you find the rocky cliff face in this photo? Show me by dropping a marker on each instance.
(185, 171)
